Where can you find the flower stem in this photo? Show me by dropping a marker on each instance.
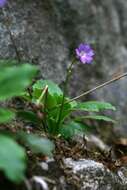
(45, 109)
(69, 71)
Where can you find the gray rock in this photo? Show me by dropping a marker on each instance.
(46, 32)
(82, 174)
(36, 36)
(95, 176)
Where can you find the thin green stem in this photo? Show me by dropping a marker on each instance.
(69, 71)
(45, 107)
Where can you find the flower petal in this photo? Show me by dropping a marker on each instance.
(85, 53)
(89, 59)
(77, 52)
(2, 3)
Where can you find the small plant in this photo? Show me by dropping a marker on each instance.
(52, 110)
(48, 107)
(13, 80)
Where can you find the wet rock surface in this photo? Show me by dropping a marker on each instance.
(45, 32)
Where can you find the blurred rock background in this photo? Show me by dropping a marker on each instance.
(46, 32)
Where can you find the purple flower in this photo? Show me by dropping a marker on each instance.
(85, 53)
(2, 3)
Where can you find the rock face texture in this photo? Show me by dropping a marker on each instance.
(46, 32)
(82, 174)
(94, 176)
(33, 28)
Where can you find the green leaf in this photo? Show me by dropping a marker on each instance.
(13, 80)
(51, 123)
(96, 117)
(38, 144)
(26, 96)
(6, 115)
(52, 88)
(94, 106)
(12, 159)
(28, 116)
(67, 109)
(71, 129)
(51, 101)
(73, 104)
